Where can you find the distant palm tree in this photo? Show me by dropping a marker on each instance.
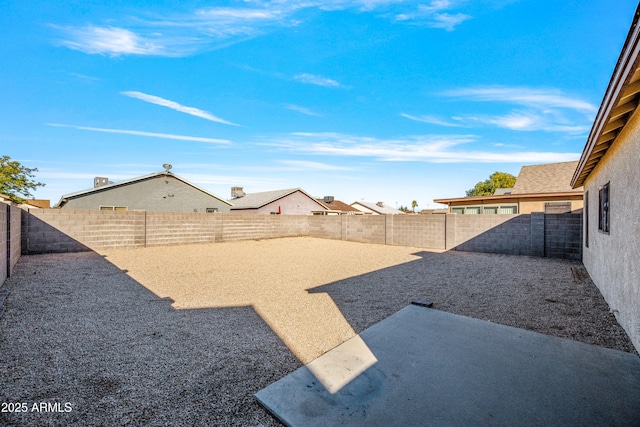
(414, 205)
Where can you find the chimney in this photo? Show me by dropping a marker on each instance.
(328, 199)
(99, 181)
(236, 192)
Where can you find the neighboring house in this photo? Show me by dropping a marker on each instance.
(6, 199)
(538, 188)
(434, 211)
(28, 203)
(502, 191)
(376, 208)
(336, 207)
(608, 169)
(38, 203)
(292, 201)
(160, 191)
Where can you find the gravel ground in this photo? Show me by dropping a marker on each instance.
(185, 335)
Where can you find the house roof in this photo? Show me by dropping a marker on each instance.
(6, 199)
(382, 210)
(498, 198)
(337, 205)
(618, 105)
(65, 198)
(257, 200)
(546, 178)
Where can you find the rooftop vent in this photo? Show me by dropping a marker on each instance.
(381, 204)
(328, 199)
(99, 181)
(236, 192)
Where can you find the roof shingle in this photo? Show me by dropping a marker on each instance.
(547, 178)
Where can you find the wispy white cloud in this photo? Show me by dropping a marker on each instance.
(113, 41)
(447, 21)
(312, 166)
(152, 99)
(143, 133)
(435, 120)
(424, 148)
(302, 110)
(531, 121)
(316, 80)
(216, 27)
(539, 98)
(548, 110)
(257, 182)
(435, 15)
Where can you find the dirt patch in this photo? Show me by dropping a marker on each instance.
(185, 335)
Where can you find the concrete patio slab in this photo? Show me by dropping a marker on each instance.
(424, 367)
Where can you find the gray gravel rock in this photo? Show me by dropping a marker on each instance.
(185, 335)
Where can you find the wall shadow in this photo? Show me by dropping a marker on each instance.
(78, 329)
(39, 237)
(551, 296)
(545, 235)
(122, 351)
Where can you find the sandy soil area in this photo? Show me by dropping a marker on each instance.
(184, 335)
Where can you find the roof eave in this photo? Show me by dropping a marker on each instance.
(510, 196)
(625, 68)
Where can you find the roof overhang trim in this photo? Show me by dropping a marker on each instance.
(619, 103)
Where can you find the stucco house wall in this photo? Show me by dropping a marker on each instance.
(529, 206)
(161, 193)
(613, 259)
(525, 205)
(294, 204)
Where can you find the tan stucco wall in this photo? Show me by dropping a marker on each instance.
(527, 207)
(613, 260)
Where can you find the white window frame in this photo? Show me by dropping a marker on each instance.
(113, 208)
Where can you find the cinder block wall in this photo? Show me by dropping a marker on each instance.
(563, 236)
(4, 255)
(535, 234)
(364, 228)
(422, 231)
(10, 239)
(15, 237)
(56, 230)
(326, 227)
(504, 234)
(170, 228)
(245, 227)
(289, 225)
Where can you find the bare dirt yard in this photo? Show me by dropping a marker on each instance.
(185, 335)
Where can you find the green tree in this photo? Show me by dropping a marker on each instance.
(488, 187)
(414, 205)
(16, 179)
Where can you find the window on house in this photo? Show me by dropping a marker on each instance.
(212, 210)
(113, 208)
(603, 209)
(491, 210)
(457, 210)
(586, 219)
(472, 211)
(557, 207)
(508, 209)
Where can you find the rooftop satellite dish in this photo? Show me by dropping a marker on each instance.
(167, 166)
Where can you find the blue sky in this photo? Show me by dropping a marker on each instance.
(374, 100)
